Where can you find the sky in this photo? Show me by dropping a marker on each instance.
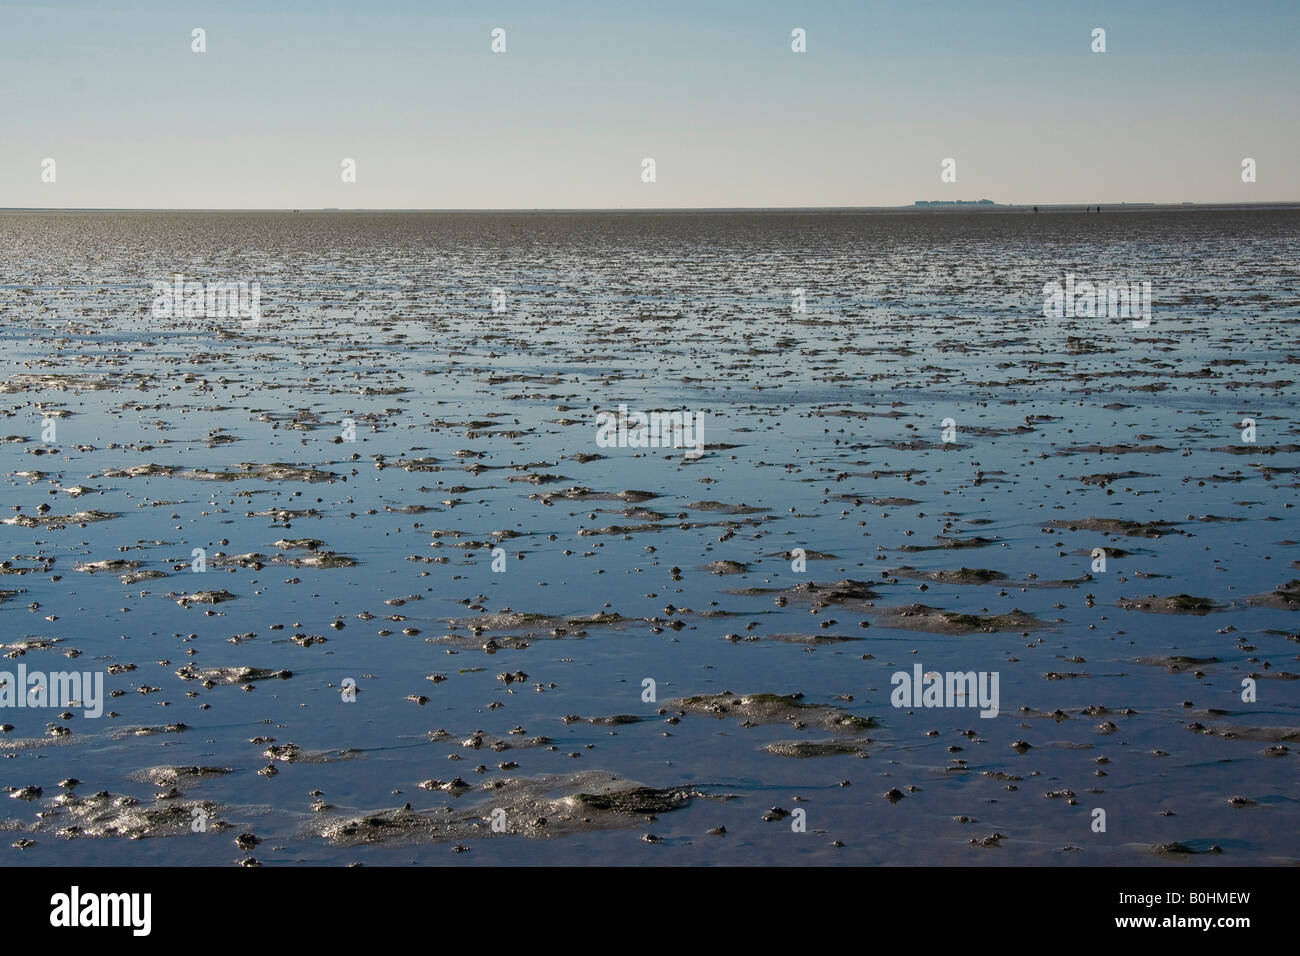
(112, 91)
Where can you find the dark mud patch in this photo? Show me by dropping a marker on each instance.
(755, 709)
(300, 544)
(275, 471)
(1184, 849)
(105, 816)
(1114, 450)
(173, 776)
(479, 740)
(1284, 598)
(1257, 449)
(230, 675)
(1110, 477)
(804, 749)
(256, 560)
(723, 508)
(795, 638)
(52, 522)
(538, 808)
(614, 720)
(135, 577)
(1272, 735)
(1177, 664)
(114, 566)
(1172, 604)
(726, 567)
(859, 500)
(921, 617)
(1111, 552)
(583, 493)
(533, 624)
(203, 597)
(1133, 529)
(949, 544)
(959, 576)
(292, 753)
(848, 593)
(641, 800)
(154, 731)
(139, 471)
(16, 649)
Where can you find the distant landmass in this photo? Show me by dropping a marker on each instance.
(954, 202)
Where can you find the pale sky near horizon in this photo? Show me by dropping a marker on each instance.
(712, 91)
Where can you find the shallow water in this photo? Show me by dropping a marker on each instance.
(827, 422)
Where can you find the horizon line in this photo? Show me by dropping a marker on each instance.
(930, 206)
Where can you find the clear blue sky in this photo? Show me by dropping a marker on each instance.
(711, 90)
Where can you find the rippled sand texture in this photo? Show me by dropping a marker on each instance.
(368, 564)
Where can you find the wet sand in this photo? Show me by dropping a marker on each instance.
(501, 716)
